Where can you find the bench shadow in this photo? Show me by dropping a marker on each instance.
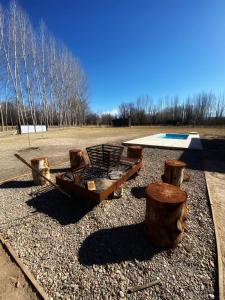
(193, 159)
(60, 170)
(116, 245)
(57, 206)
(213, 150)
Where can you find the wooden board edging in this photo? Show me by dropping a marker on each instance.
(218, 247)
(35, 285)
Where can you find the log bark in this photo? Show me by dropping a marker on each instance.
(174, 172)
(78, 159)
(166, 211)
(135, 152)
(40, 164)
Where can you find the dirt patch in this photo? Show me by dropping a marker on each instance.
(13, 284)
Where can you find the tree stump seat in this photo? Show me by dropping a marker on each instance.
(135, 152)
(174, 172)
(166, 211)
(78, 159)
(40, 164)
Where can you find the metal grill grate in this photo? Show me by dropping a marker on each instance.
(104, 156)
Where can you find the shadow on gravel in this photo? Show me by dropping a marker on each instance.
(193, 159)
(116, 245)
(16, 184)
(213, 149)
(60, 208)
(138, 191)
(60, 170)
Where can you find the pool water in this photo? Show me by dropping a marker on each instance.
(176, 136)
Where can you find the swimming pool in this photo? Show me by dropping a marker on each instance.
(169, 140)
(176, 136)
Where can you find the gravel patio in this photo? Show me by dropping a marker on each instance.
(76, 252)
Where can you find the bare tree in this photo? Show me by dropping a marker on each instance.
(39, 74)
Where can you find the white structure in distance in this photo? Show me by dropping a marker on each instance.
(31, 128)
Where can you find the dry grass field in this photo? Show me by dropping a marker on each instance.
(56, 142)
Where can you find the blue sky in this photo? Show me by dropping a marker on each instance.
(130, 48)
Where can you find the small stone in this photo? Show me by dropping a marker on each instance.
(75, 286)
(157, 289)
(57, 295)
(212, 264)
(211, 296)
(121, 294)
(122, 278)
(95, 268)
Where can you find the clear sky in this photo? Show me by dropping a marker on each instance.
(136, 47)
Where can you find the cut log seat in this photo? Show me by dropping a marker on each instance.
(41, 165)
(166, 211)
(135, 152)
(174, 172)
(78, 159)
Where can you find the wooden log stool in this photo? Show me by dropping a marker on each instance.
(166, 211)
(78, 159)
(174, 172)
(135, 152)
(40, 164)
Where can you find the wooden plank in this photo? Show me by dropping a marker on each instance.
(39, 290)
(216, 193)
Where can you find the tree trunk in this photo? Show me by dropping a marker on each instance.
(166, 211)
(174, 172)
(78, 159)
(40, 164)
(135, 152)
(2, 118)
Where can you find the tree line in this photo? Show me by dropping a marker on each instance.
(203, 108)
(41, 81)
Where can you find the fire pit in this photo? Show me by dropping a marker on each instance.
(104, 157)
(107, 173)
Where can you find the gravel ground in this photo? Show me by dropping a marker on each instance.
(79, 253)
